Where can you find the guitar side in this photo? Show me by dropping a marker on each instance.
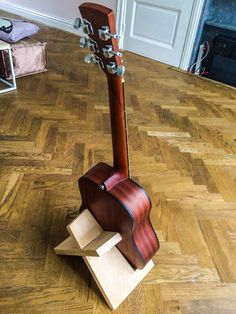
(124, 209)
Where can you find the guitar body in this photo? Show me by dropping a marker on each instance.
(125, 209)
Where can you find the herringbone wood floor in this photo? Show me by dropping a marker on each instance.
(183, 151)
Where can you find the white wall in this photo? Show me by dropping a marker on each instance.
(65, 9)
(58, 13)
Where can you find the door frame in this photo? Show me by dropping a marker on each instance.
(191, 32)
(120, 20)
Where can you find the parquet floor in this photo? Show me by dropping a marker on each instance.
(182, 139)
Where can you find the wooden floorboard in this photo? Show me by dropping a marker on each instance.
(182, 140)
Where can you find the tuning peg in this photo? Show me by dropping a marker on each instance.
(90, 58)
(89, 43)
(83, 42)
(120, 70)
(105, 34)
(112, 69)
(109, 53)
(77, 23)
(84, 24)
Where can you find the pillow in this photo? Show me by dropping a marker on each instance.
(29, 57)
(19, 30)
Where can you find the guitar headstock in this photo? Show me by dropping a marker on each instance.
(98, 23)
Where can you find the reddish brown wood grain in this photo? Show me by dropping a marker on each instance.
(117, 202)
(99, 16)
(124, 209)
(118, 131)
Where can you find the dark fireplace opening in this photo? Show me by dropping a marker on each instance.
(221, 64)
(217, 32)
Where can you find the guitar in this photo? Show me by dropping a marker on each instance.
(117, 202)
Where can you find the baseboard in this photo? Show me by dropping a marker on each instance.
(39, 17)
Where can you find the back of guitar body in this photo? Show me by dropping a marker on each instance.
(125, 208)
(118, 203)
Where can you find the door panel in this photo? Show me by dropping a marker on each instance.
(157, 29)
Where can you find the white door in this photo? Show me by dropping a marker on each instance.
(157, 29)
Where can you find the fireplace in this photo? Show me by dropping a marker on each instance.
(218, 29)
(221, 64)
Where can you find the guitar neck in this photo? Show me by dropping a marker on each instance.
(99, 23)
(118, 124)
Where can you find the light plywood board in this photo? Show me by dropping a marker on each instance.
(98, 247)
(113, 274)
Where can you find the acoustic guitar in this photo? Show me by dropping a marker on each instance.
(118, 203)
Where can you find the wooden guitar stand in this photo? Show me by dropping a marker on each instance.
(114, 276)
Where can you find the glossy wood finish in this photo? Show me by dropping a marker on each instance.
(125, 209)
(116, 202)
(118, 131)
(100, 16)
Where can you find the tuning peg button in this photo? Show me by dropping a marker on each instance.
(109, 53)
(120, 70)
(90, 58)
(104, 34)
(77, 23)
(112, 69)
(84, 25)
(83, 42)
(89, 43)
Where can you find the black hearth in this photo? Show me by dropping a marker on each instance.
(221, 64)
(218, 28)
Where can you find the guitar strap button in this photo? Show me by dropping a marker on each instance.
(102, 187)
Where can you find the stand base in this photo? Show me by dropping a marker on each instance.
(114, 276)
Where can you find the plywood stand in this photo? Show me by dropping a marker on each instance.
(113, 274)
